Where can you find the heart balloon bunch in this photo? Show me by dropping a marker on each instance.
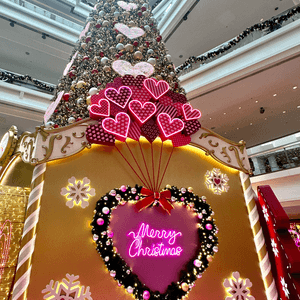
(131, 107)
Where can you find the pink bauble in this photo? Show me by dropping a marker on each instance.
(100, 221)
(146, 295)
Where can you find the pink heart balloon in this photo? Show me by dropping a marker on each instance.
(127, 6)
(142, 112)
(120, 97)
(118, 127)
(156, 89)
(190, 113)
(169, 127)
(102, 109)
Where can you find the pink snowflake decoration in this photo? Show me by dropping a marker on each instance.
(266, 214)
(238, 288)
(67, 289)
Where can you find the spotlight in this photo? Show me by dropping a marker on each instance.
(262, 110)
(44, 36)
(12, 23)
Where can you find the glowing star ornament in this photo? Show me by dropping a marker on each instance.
(190, 113)
(130, 32)
(216, 181)
(118, 127)
(124, 67)
(142, 112)
(78, 192)
(102, 109)
(156, 89)
(169, 127)
(120, 97)
(67, 289)
(238, 288)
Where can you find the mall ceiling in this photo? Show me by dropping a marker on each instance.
(209, 24)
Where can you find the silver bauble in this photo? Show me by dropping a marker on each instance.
(150, 51)
(147, 27)
(169, 57)
(71, 120)
(105, 23)
(106, 68)
(152, 61)
(120, 47)
(102, 13)
(93, 91)
(120, 37)
(131, 24)
(104, 60)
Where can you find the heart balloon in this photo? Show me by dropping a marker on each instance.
(124, 67)
(119, 97)
(156, 89)
(102, 109)
(118, 127)
(151, 252)
(127, 6)
(130, 32)
(190, 113)
(142, 112)
(169, 127)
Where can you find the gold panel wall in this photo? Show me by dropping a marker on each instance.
(13, 201)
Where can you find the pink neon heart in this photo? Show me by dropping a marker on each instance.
(120, 97)
(169, 127)
(156, 89)
(119, 127)
(142, 112)
(155, 272)
(127, 6)
(102, 109)
(124, 67)
(217, 181)
(190, 113)
(130, 32)
(51, 108)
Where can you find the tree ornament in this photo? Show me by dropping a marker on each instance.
(138, 55)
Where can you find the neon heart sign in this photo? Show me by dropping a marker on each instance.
(160, 249)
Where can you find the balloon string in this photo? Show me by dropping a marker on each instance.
(154, 186)
(161, 149)
(130, 166)
(148, 185)
(166, 168)
(146, 166)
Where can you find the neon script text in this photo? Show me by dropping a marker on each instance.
(157, 249)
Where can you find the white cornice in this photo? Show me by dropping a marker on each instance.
(267, 51)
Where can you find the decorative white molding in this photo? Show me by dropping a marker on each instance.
(69, 31)
(260, 54)
(20, 97)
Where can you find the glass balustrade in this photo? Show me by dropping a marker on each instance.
(275, 160)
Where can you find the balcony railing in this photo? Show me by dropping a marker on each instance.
(278, 159)
(249, 35)
(26, 81)
(47, 14)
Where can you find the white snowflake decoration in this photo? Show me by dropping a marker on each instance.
(78, 192)
(274, 247)
(238, 288)
(216, 181)
(285, 287)
(67, 290)
(266, 214)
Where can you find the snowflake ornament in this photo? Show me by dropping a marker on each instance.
(274, 248)
(68, 289)
(216, 181)
(238, 288)
(285, 288)
(266, 214)
(78, 192)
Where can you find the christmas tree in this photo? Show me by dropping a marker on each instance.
(119, 38)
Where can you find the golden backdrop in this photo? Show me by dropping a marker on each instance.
(64, 240)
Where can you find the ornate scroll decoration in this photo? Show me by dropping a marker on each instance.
(222, 150)
(8, 144)
(68, 141)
